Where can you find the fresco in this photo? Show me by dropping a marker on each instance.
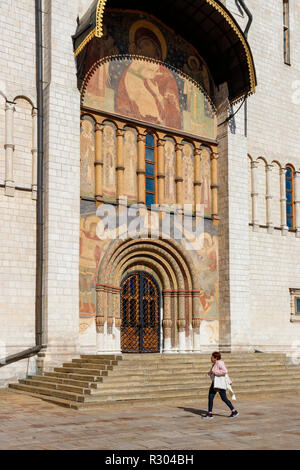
(92, 249)
(170, 165)
(91, 252)
(87, 157)
(188, 173)
(206, 182)
(109, 161)
(209, 278)
(158, 91)
(130, 164)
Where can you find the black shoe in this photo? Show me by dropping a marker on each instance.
(208, 416)
(234, 414)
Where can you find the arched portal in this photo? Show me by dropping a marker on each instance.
(140, 313)
(168, 268)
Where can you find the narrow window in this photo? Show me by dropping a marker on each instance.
(286, 32)
(297, 306)
(150, 189)
(290, 206)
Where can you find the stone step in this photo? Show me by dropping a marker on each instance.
(197, 369)
(279, 391)
(111, 357)
(174, 392)
(72, 365)
(83, 371)
(157, 364)
(177, 381)
(100, 362)
(203, 358)
(69, 375)
(76, 383)
(140, 387)
(55, 386)
(48, 392)
(191, 373)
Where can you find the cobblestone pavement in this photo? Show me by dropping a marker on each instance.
(265, 423)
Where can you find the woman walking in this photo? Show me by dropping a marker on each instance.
(218, 376)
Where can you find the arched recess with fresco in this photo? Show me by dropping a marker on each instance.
(142, 75)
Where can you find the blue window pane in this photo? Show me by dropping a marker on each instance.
(150, 154)
(298, 306)
(150, 185)
(289, 210)
(289, 185)
(150, 171)
(150, 199)
(288, 173)
(289, 222)
(289, 197)
(149, 140)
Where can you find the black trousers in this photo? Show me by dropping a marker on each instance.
(211, 395)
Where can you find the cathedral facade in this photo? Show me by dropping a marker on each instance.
(149, 179)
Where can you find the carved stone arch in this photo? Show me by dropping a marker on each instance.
(29, 99)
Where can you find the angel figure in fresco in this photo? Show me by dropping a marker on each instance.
(205, 186)
(130, 152)
(87, 156)
(208, 274)
(99, 85)
(90, 255)
(147, 90)
(170, 176)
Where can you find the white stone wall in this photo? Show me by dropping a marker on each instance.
(273, 133)
(17, 230)
(61, 170)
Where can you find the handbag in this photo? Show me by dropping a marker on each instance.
(220, 382)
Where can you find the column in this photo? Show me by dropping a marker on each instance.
(196, 321)
(120, 164)
(98, 163)
(34, 154)
(160, 171)
(297, 202)
(141, 171)
(167, 322)
(197, 178)
(254, 195)
(9, 149)
(214, 187)
(179, 177)
(269, 198)
(284, 227)
(181, 322)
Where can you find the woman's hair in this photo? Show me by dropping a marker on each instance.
(216, 355)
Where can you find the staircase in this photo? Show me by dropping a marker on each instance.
(102, 380)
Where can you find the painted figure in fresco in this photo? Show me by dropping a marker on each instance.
(170, 172)
(147, 90)
(188, 173)
(99, 84)
(209, 292)
(90, 255)
(130, 153)
(205, 186)
(87, 157)
(109, 151)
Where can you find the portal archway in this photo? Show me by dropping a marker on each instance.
(140, 313)
(173, 273)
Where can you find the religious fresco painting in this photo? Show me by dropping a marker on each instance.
(149, 90)
(93, 248)
(130, 164)
(129, 74)
(87, 157)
